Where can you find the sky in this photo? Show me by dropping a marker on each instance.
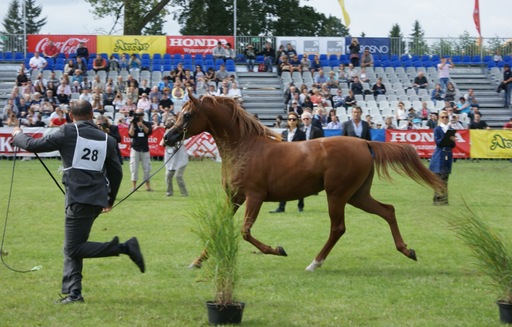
(438, 18)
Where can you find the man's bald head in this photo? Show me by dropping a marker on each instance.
(81, 110)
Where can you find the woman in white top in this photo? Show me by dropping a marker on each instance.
(400, 112)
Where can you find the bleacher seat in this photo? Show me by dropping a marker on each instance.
(145, 56)
(476, 60)
(8, 56)
(18, 56)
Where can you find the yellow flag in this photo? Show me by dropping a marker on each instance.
(346, 17)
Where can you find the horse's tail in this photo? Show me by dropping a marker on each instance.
(403, 159)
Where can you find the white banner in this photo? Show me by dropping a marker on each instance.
(314, 45)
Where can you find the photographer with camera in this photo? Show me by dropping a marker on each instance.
(139, 131)
(176, 164)
(103, 123)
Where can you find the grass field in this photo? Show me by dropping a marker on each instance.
(364, 281)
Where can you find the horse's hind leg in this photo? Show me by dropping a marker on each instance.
(364, 201)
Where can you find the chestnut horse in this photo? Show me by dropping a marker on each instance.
(258, 167)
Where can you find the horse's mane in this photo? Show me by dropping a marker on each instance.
(247, 124)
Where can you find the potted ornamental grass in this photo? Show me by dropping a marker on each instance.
(220, 235)
(493, 257)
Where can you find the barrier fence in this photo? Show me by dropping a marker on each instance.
(470, 143)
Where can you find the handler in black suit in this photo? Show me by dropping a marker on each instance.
(357, 127)
(312, 132)
(292, 134)
(92, 175)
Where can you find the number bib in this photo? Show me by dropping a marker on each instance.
(89, 154)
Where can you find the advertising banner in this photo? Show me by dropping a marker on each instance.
(423, 141)
(7, 149)
(66, 44)
(314, 45)
(188, 44)
(376, 45)
(491, 143)
(131, 44)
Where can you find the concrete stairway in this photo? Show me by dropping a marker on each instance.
(491, 103)
(8, 72)
(262, 94)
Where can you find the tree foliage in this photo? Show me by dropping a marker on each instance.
(397, 40)
(13, 20)
(418, 45)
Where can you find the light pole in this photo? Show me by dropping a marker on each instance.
(24, 29)
(234, 25)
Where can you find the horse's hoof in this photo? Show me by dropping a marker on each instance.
(412, 255)
(195, 265)
(281, 251)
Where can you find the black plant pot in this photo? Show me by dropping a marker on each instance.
(505, 312)
(219, 314)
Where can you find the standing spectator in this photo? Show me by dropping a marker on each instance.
(218, 52)
(506, 84)
(50, 51)
(292, 134)
(269, 56)
(367, 58)
(37, 62)
(82, 51)
(250, 57)
(477, 122)
(312, 132)
(139, 131)
(99, 63)
(354, 48)
(444, 71)
(442, 158)
(357, 127)
(87, 192)
(176, 159)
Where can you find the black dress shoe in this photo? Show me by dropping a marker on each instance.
(133, 250)
(277, 210)
(70, 299)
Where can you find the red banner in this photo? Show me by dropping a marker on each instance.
(188, 44)
(423, 141)
(476, 17)
(154, 142)
(66, 44)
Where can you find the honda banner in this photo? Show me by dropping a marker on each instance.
(188, 44)
(66, 44)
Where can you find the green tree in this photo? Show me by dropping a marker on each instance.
(397, 45)
(155, 27)
(13, 21)
(467, 45)
(443, 47)
(417, 46)
(332, 26)
(32, 12)
(134, 15)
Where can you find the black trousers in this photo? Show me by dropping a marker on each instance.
(300, 205)
(79, 220)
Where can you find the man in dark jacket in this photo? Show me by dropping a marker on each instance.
(92, 175)
(356, 126)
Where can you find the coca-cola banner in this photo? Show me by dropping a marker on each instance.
(183, 44)
(131, 44)
(423, 141)
(66, 44)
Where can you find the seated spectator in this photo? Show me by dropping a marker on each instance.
(290, 51)
(414, 117)
(420, 82)
(450, 92)
(188, 78)
(478, 123)
(109, 96)
(221, 74)
(455, 123)
(113, 64)
(437, 94)
(400, 112)
(278, 123)
(218, 52)
(37, 62)
(199, 73)
(64, 93)
(305, 64)
(70, 67)
(356, 86)
(21, 78)
(508, 125)
(368, 119)
(325, 92)
(77, 76)
(295, 107)
(50, 51)
(366, 59)
(351, 73)
(81, 65)
(132, 93)
(118, 101)
(86, 95)
(134, 64)
(334, 124)
(99, 63)
(229, 53)
(123, 61)
(82, 51)
(363, 77)
(317, 98)
(350, 100)
(177, 92)
(98, 83)
(40, 86)
(388, 123)
(295, 63)
(235, 93)
(212, 91)
(128, 109)
(332, 80)
(316, 65)
(424, 112)
(86, 84)
(320, 78)
(130, 81)
(471, 99)
(155, 121)
(211, 76)
(285, 65)
(378, 88)
(223, 87)
(144, 103)
(338, 100)
(144, 88)
(58, 119)
(463, 106)
(51, 99)
(432, 121)
(29, 88)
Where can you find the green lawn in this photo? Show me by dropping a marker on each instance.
(364, 281)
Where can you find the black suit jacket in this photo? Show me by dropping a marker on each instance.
(299, 135)
(314, 132)
(348, 130)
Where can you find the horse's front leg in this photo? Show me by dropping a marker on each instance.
(236, 202)
(252, 209)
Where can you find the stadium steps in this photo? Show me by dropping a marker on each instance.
(262, 94)
(491, 103)
(8, 72)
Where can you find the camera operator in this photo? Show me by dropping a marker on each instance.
(106, 126)
(139, 131)
(176, 159)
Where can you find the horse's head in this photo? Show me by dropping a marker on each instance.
(190, 122)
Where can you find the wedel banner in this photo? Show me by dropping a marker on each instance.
(66, 44)
(188, 44)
